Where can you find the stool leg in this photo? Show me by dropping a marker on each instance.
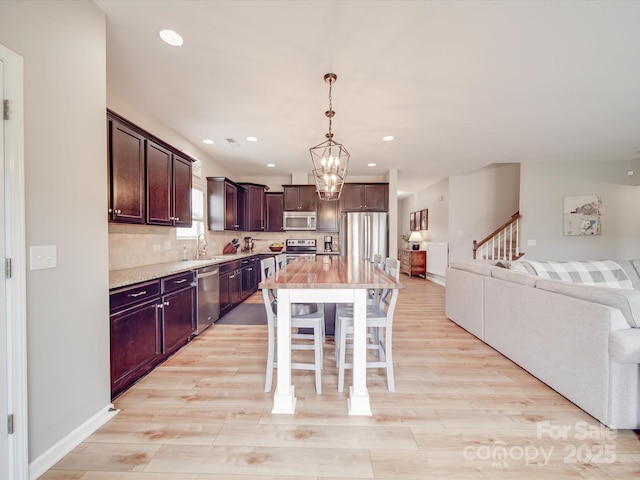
(341, 357)
(317, 343)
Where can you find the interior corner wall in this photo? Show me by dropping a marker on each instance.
(479, 203)
(63, 47)
(434, 198)
(543, 186)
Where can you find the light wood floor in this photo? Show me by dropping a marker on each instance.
(461, 410)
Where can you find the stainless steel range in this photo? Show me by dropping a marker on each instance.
(300, 248)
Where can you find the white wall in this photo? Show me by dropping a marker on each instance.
(63, 46)
(543, 186)
(479, 203)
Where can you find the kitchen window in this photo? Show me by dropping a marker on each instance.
(197, 216)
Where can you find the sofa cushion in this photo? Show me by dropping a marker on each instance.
(606, 273)
(627, 301)
(624, 345)
(630, 270)
(514, 276)
(474, 266)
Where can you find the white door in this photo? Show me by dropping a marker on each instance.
(4, 392)
(13, 377)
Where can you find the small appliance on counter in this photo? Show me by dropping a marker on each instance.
(248, 244)
(328, 243)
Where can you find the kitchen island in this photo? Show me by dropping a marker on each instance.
(325, 279)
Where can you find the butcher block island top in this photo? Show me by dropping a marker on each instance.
(326, 279)
(331, 271)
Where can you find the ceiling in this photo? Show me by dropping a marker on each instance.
(460, 85)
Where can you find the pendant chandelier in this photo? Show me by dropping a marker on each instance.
(330, 159)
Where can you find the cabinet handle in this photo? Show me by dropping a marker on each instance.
(134, 295)
(159, 305)
(166, 303)
(180, 281)
(249, 269)
(177, 219)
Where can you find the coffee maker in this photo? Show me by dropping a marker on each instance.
(328, 243)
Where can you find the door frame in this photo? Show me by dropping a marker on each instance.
(15, 249)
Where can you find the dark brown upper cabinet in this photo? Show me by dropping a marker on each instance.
(328, 216)
(255, 207)
(365, 197)
(126, 174)
(149, 180)
(275, 208)
(300, 198)
(225, 204)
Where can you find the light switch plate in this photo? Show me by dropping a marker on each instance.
(43, 256)
(531, 243)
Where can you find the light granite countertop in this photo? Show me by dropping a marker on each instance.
(129, 276)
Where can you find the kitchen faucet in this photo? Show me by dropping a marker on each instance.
(201, 247)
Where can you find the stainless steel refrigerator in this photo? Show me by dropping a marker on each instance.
(363, 234)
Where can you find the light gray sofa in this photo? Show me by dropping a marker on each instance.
(581, 340)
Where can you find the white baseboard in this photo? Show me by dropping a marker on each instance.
(49, 458)
(436, 279)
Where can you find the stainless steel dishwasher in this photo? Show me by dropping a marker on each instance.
(208, 297)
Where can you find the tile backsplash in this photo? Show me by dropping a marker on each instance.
(140, 245)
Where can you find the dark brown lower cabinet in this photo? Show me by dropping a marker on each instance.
(135, 344)
(230, 285)
(149, 322)
(178, 313)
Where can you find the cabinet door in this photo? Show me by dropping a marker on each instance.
(328, 216)
(181, 192)
(250, 269)
(135, 344)
(376, 197)
(225, 293)
(291, 200)
(231, 207)
(308, 198)
(255, 208)
(126, 167)
(159, 185)
(235, 284)
(178, 315)
(275, 209)
(352, 197)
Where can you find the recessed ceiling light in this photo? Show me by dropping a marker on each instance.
(387, 138)
(371, 164)
(271, 165)
(252, 139)
(171, 37)
(207, 141)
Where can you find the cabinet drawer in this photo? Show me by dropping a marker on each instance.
(122, 297)
(176, 282)
(229, 266)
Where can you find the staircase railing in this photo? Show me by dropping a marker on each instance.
(502, 244)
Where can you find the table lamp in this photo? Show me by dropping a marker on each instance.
(415, 238)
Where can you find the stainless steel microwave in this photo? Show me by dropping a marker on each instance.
(299, 220)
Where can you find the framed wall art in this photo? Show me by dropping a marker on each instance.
(582, 215)
(412, 221)
(424, 219)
